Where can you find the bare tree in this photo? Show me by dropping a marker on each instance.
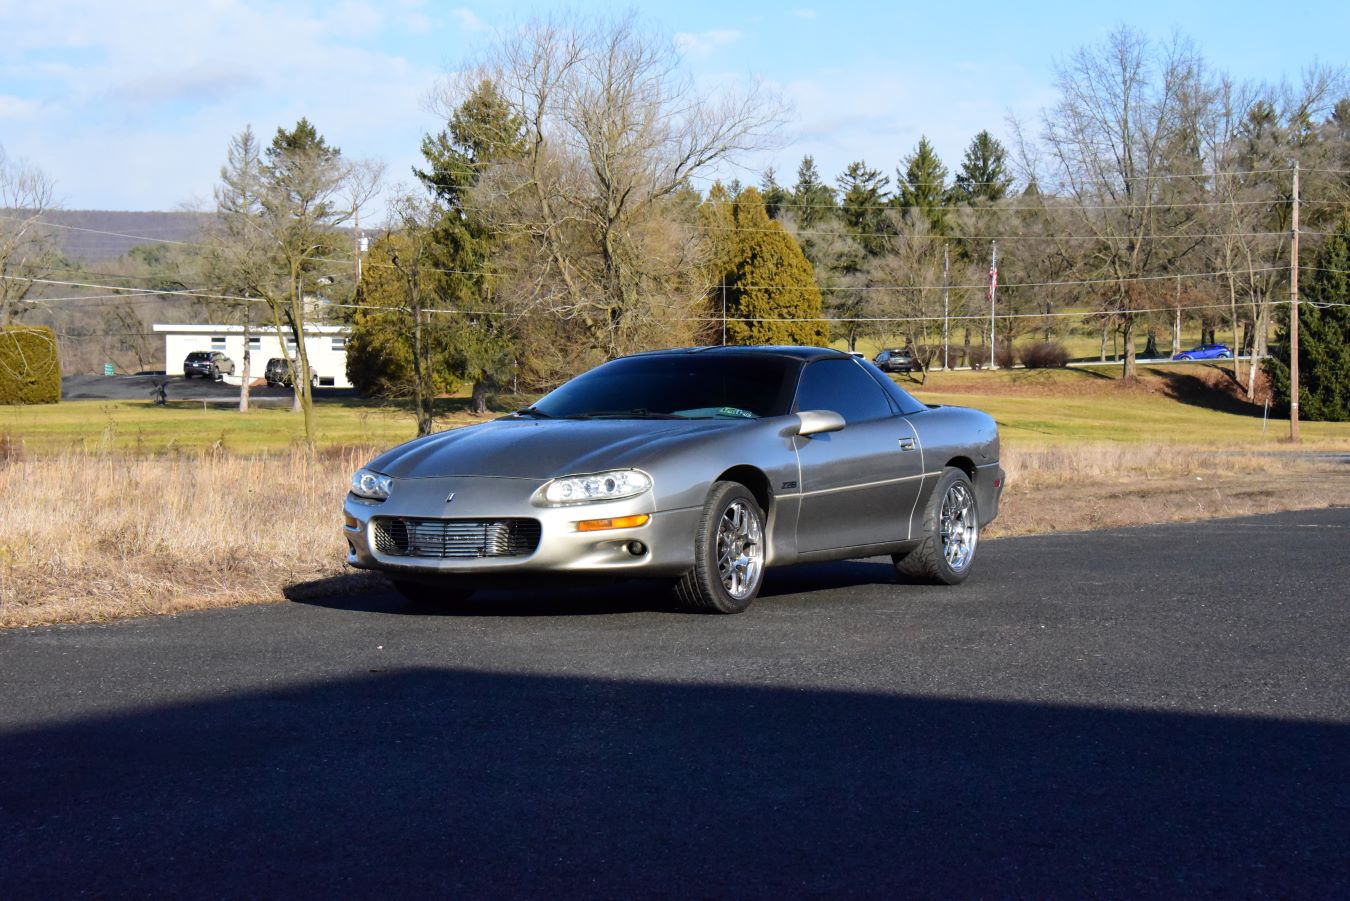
(27, 248)
(1122, 143)
(601, 233)
(412, 257)
(277, 238)
(237, 248)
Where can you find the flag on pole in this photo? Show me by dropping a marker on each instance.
(993, 280)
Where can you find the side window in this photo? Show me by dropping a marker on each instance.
(841, 386)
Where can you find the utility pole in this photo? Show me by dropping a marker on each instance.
(993, 287)
(1293, 317)
(724, 311)
(946, 308)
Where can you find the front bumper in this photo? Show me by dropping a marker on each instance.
(989, 481)
(668, 537)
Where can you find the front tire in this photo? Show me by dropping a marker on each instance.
(729, 553)
(951, 532)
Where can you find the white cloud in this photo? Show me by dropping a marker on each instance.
(839, 115)
(804, 13)
(467, 20)
(705, 42)
(12, 107)
(131, 106)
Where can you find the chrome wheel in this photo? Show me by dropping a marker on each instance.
(958, 530)
(740, 549)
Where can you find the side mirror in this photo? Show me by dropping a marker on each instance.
(813, 422)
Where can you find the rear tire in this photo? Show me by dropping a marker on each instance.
(423, 594)
(951, 526)
(729, 551)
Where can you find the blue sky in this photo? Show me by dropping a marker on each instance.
(129, 105)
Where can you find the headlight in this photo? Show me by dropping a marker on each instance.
(603, 486)
(371, 484)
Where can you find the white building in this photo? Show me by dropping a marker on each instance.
(326, 346)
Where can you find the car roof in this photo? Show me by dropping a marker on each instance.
(738, 350)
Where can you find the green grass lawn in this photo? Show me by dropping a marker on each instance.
(1081, 344)
(1031, 406)
(1088, 404)
(142, 427)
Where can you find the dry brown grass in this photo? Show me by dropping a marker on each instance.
(1102, 486)
(96, 537)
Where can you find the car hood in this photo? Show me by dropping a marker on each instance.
(538, 449)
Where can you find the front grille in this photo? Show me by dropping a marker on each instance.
(456, 538)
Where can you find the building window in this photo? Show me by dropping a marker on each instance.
(218, 342)
(339, 344)
(290, 342)
(255, 343)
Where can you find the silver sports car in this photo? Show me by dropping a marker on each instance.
(702, 466)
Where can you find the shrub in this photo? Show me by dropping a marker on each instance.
(977, 357)
(1004, 356)
(1044, 355)
(30, 371)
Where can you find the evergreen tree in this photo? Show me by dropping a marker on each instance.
(863, 206)
(482, 130)
(984, 171)
(379, 352)
(775, 195)
(769, 283)
(1324, 336)
(812, 199)
(923, 187)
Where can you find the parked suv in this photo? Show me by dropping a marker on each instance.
(209, 364)
(900, 359)
(277, 372)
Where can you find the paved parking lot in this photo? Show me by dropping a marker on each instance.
(141, 387)
(1156, 711)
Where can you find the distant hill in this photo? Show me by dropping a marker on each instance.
(95, 235)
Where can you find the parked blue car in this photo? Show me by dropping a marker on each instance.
(1205, 352)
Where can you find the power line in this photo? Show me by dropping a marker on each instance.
(136, 292)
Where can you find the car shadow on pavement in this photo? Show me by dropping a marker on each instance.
(475, 784)
(368, 592)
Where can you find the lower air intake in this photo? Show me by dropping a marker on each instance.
(456, 539)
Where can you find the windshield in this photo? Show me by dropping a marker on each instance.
(676, 386)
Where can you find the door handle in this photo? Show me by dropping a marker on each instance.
(906, 444)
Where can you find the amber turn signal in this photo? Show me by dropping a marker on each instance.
(350, 521)
(619, 522)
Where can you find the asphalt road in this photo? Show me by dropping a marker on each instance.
(1160, 711)
(140, 387)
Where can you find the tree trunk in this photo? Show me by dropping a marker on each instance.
(478, 400)
(1129, 370)
(243, 386)
(1176, 334)
(1106, 321)
(421, 402)
(303, 395)
(1258, 349)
